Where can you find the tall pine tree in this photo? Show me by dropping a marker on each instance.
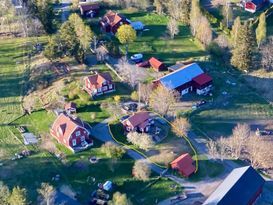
(261, 29)
(242, 54)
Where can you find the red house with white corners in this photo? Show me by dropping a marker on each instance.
(254, 5)
(184, 165)
(99, 84)
(71, 132)
(111, 22)
(138, 122)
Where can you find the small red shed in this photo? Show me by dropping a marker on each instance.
(157, 65)
(184, 165)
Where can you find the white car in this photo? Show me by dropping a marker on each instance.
(137, 57)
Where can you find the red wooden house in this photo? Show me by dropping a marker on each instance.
(89, 9)
(99, 84)
(111, 22)
(138, 122)
(185, 79)
(254, 5)
(157, 65)
(184, 165)
(71, 133)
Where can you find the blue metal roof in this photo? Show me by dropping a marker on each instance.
(239, 188)
(181, 76)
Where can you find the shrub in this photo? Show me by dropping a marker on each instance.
(141, 170)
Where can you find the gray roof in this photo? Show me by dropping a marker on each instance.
(181, 76)
(239, 188)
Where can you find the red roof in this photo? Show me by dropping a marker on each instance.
(202, 79)
(155, 63)
(184, 165)
(113, 18)
(67, 125)
(70, 105)
(89, 7)
(139, 119)
(98, 79)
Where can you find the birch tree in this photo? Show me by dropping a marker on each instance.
(261, 30)
(173, 28)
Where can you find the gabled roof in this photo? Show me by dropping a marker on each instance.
(99, 78)
(184, 164)
(113, 18)
(155, 63)
(67, 125)
(88, 7)
(239, 187)
(202, 79)
(138, 118)
(181, 76)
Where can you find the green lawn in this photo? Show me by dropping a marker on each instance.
(270, 25)
(156, 43)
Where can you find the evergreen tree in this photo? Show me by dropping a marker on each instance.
(242, 54)
(235, 31)
(52, 50)
(261, 29)
(17, 197)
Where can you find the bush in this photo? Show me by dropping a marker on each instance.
(134, 96)
(84, 97)
(142, 140)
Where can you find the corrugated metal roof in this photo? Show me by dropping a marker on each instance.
(181, 76)
(239, 188)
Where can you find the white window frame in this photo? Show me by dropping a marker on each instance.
(78, 133)
(104, 88)
(74, 142)
(82, 138)
(110, 86)
(99, 90)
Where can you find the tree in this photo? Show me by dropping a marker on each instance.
(52, 50)
(142, 140)
(162, 99)
(75, 4)
(4, 194)
(130, 73)
(242, 54)
(145, 91)
(235, 31)
(181, 126)
(112, 150)
(172, 28)
(17, 197)
(158, 6)
(126, 34)
(179, 10)
(195, 16)
(227, 12)
(141, 170)
(261, 30)
(120, 199)
(47, 193)
(266, 51)
(204, 31)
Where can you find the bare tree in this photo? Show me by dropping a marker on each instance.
(204, 31)
(141, 170)
(145, 91)
(259, 152)
(212, 149)
(131, 73)
(119, 199)
(181, 126)
(173, 28)
(162, 99)
(101, 54)
(47, 193)
(237, 141)
(266, 51)
(142, 140)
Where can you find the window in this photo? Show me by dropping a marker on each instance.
(104, 88)
(82, 138)
(78, 133)
(74, 142)
(99, 90)
(110, 86)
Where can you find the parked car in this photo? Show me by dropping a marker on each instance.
(263, 132)
(137, 58)
(130, 107)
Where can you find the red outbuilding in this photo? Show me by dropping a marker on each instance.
(157, 65)
(184, 165)
(71, 132)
